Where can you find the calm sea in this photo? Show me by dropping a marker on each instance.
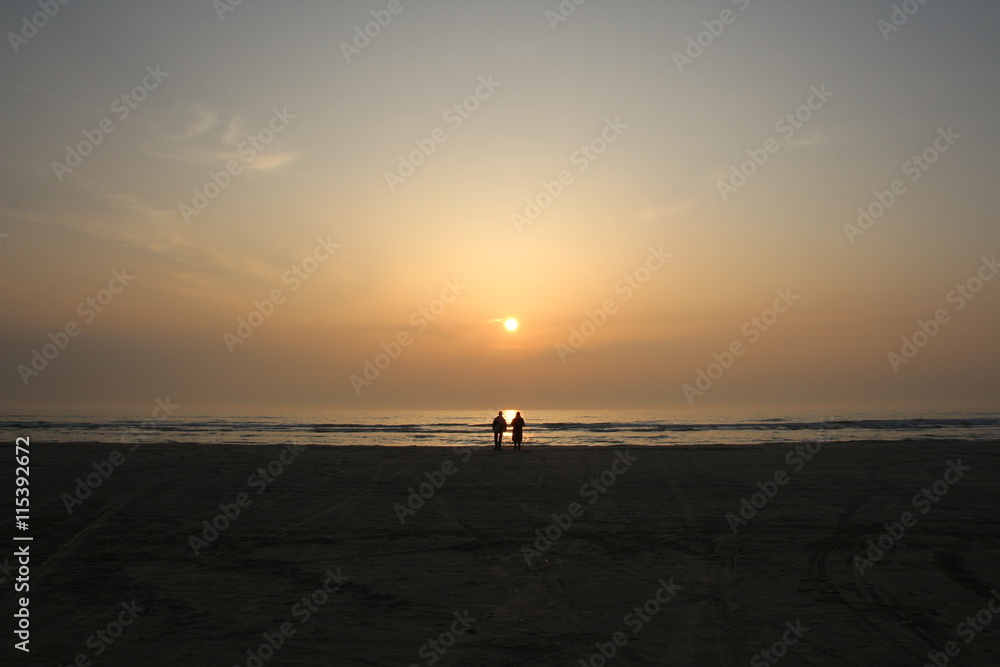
(462, 428)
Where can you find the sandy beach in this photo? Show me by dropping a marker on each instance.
(235, 555)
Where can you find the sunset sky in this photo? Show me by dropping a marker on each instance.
(613, 121)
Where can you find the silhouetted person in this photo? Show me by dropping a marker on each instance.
(499, 426)
(516, 424)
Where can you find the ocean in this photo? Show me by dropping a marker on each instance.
(464, 428)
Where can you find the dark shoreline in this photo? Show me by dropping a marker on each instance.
(485, 444)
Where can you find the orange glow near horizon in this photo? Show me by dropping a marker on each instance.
(379, 250)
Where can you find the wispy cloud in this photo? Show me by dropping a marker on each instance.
(129, 221)
(200, 134)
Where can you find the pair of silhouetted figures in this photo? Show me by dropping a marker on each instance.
(500, 425)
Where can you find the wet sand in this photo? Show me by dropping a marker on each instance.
(332, 561)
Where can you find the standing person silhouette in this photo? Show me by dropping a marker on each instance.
(499, 426)
(516, 424)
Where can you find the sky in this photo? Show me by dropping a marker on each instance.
(685, 205)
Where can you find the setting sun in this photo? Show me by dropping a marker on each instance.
(510, 325)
